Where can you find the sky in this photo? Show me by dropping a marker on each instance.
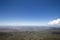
(29, 12)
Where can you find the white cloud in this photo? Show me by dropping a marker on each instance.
(54, 22)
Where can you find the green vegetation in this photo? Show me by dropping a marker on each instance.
(30, 35)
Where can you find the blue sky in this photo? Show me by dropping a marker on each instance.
(28, 12)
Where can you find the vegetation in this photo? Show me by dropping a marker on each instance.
(30, 35)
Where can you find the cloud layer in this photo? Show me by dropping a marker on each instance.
(54, 22)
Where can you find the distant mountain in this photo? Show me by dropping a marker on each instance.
(22, 28)
(26, 28)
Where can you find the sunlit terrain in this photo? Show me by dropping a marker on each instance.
(30, 33)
